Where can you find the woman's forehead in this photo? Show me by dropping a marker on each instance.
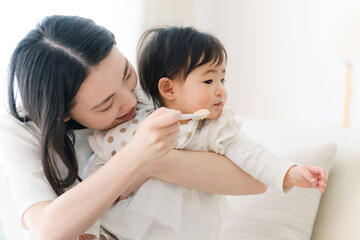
(102, 78)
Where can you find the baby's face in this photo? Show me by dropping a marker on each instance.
(203, 88)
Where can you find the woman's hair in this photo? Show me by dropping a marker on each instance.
(174, 52)
(47, 68)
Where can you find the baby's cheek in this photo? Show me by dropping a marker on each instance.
(225, 97)
(214, 114)
(205, 102)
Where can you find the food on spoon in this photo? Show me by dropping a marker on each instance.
(201, 114)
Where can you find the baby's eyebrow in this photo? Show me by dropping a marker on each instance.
(212, 70)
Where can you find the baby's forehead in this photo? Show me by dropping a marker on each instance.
(206, 69)
(212, 66)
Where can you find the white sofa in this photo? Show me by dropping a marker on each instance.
(338, 214)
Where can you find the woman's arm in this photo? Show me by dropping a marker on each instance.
(205, 171)
(72, 213)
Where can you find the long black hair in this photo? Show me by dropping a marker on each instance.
(47, 67)
(174, 52)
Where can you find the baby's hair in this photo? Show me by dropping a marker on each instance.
(174, 52)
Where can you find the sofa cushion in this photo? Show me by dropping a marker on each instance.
(275, 215)
(338, 215)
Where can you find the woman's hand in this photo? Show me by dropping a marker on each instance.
(157, 134)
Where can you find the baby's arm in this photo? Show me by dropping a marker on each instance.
(259, 162)
(306, 176)
(272, 169)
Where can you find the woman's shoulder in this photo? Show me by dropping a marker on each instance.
(22, 139)
(12, 129)
(19, 142)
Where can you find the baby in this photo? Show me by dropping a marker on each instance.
(184, 69)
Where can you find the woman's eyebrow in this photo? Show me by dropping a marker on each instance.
(103, 102)
(109, 97)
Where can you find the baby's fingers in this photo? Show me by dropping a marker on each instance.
(319, 173)
(322, 182)
(321, 187)
(309, 176)
(321, 176)
(87, 237)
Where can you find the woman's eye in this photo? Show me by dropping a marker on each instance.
(106, 109)
(208, 81)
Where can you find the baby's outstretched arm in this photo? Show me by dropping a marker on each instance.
(306, 176)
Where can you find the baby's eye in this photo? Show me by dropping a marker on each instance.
(222, 80)
(208, 81)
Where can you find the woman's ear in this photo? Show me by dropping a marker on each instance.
(166, 89)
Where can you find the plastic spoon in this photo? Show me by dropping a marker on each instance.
(198, 115)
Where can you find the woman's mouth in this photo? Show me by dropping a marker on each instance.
(128, 116)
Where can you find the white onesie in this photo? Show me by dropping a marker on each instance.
(161, 210)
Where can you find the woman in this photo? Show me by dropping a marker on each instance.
(71, 78)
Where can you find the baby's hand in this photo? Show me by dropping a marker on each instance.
(307, 176)
(86, 237)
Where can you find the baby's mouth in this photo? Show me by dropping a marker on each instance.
(218, 104)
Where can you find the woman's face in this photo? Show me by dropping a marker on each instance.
(106, 97)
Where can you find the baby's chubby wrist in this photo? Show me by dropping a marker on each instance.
(288, 179)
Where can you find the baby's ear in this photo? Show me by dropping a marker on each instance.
(166, 89)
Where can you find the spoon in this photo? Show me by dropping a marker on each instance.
(198, 115)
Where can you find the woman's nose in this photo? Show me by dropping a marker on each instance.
(128, 100)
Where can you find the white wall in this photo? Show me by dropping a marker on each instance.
(287, 58)
(284, 57)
